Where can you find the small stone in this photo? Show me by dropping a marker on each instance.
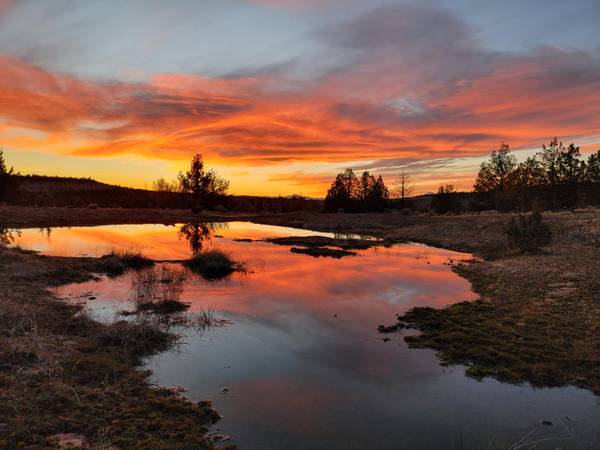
(92, 298)
(546, 422)
(224, 390)
(70, 440)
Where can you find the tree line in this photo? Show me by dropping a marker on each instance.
(557, 177)
(353, 194)
(553, 178)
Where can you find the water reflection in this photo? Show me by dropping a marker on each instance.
(304, 366)
(161, 242)
(197, 233)
(8, 237)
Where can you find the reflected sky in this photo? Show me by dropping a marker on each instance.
(304, 363)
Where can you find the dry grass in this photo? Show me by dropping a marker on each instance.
(158, 290)
(61, 372)
(119, 261)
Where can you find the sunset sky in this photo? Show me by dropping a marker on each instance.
(279, 95)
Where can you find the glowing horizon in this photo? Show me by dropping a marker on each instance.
(279, 96)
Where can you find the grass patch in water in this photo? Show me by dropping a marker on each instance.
(323, 251)
(212, 264)
(159, 291)
(118, 262)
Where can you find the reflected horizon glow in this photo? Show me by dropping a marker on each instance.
(302, 358)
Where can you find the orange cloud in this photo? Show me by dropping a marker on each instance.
(344, 116)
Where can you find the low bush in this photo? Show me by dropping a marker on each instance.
(118, 262)
(212, 264)
(528, 233)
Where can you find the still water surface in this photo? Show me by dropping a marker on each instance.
(302, 361)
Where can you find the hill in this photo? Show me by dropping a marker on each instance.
(37, 190)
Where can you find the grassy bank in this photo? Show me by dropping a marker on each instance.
(61, 372)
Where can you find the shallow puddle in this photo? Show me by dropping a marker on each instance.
(302, 366)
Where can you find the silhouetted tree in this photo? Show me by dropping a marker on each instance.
(205, 185)
(342, 191)
(593, 168)
(527, 174)
(562, 164)
(378, 194)
(162, 185)
(367, 181)
(215, 185)
(445, 200)
(352, 194)
(494, 174)
(5, 177)
(404, 188)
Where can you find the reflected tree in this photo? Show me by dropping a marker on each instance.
(197, 233)
(7, 237)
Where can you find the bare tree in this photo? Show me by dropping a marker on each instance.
(162, 185)
(404, 188)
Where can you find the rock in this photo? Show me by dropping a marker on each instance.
(70, 440)
(547, 423)
(92, 298)
(217, 437)
(224, 390)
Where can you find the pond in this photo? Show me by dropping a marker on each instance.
(300, 364)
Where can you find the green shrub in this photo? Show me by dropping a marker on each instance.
(528, 233)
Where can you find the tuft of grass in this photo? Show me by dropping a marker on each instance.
(158, 291)
(136, 339)
(118, 262)
(212, 264)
